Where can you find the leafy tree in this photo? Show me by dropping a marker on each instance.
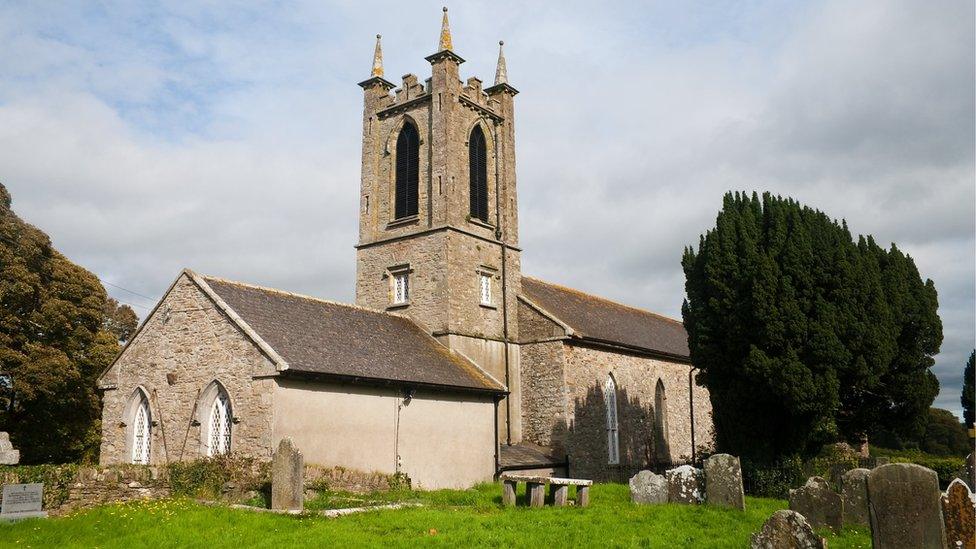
(52, 345)
(944, 435)
(804, 335)
(120, 320)
(969, 392)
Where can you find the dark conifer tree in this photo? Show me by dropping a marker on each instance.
(969, 392)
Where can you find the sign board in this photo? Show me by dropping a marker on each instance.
(22, 501)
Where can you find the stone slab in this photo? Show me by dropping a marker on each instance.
(854, 494)
(648, 488)
(723, 482)
(686, 485)
(787, 530)
(819, 504)
(959, 515)
(288, 477)
(22, 501)
(904, 500)
(9, 457)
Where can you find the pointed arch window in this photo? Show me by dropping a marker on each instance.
(220, 425)
(478, 168)
(407, 171)
(141, 430)
(661, 422)
(613, 432)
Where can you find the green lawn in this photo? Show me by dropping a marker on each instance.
(448, 518)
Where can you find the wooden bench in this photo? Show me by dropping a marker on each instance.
(535, 488)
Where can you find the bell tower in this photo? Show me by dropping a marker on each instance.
(438, 221)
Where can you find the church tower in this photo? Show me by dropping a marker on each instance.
(438, 224)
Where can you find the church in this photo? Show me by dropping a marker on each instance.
(451, 367)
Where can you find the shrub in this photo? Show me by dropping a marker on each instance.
(772, 479)
(944, 466)
(57, 480)
(206, 478)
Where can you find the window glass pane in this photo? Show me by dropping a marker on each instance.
(485, 289)
(401, 290)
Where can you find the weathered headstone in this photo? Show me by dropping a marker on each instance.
(723, 481)
(821, 506)
(22, 501)
(8, 456)
(905, 508)
(959, 514)
(854, 494)
(686, 484)
(288, 477)
(787, 530)
(648, 488)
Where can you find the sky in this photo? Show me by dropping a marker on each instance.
(224, 136)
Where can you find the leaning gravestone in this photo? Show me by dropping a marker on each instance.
(8, 456)
(723, 481)
(854, 494)
(959, 514)
(288, 477)
(819, 504)
(648, 488)
(685, 485)
(22, 501)
(905, 509)
(787, 530)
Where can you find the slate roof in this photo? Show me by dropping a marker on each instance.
(314, 336)
(601, 320)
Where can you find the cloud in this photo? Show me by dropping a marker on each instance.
(225, 137)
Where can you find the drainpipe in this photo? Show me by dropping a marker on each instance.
(691, 409)
(498, 463)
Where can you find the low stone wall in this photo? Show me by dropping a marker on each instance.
(68, 488)
(346, 480)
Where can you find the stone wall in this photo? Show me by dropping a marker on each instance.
(586, 371)
(544, 394)
(184, 346)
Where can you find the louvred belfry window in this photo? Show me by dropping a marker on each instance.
(407, 171)
(478, 165)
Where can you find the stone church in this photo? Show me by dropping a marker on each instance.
(451, 367)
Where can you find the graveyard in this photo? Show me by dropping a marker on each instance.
(473, 517)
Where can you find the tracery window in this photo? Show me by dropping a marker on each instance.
(220, 426)
(613, 436)
(407, 171)
(478, 168)
(141, 431)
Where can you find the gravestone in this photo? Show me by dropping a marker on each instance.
(21, 501)
(959, 515)
(854, 495)
(905, 510)
(8, 456)
(647, 488)
(819, 504)
(288, 477)
(723, 481)
(685, 485)
(787, 530)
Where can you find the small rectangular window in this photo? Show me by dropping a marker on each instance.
(401, 288)
(486, 289)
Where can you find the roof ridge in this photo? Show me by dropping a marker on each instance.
(601, 298)
(293, 294)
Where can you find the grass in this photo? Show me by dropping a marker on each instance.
(449, 518)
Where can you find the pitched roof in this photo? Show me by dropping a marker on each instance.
(314, 336)
(601, 320)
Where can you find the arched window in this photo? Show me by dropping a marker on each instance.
(218, 439)
(613, 436)
(407, 171)
(141, 428)
(661, 422)
(478, 168)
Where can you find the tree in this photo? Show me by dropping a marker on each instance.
(944, 435)
(120, 320)
(802, 335)
(969, 392)
(52, 345)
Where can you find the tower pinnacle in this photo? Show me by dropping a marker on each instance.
(501, 73)
(378, 59)
(445, 42)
